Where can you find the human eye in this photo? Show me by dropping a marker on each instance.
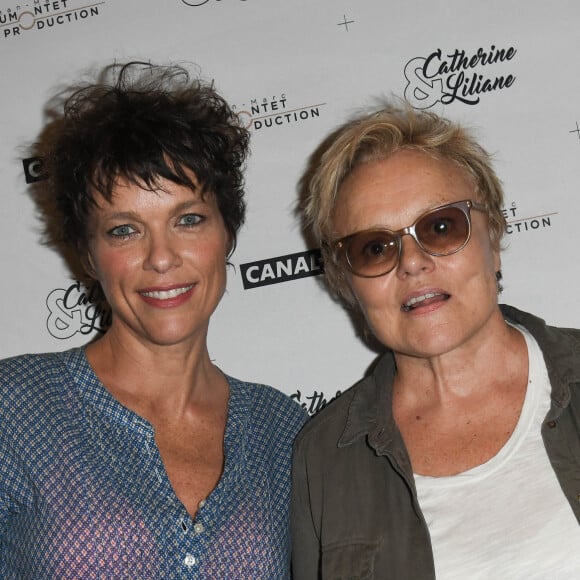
(122, 232)
(441, 226)
(441, 223)
(373, 246)
(443, 229)
(190, 220)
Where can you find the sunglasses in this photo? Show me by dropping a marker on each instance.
(441, 231)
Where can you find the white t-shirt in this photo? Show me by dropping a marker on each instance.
(507, 519)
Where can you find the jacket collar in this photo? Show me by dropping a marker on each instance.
(370, 411)
(560, 347)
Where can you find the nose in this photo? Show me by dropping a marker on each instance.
(162, 252)
(412, 258)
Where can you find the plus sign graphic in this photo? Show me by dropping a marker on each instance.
(345, 22)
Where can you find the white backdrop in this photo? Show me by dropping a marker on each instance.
(295, 70)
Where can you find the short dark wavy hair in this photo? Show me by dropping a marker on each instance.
(149, 122)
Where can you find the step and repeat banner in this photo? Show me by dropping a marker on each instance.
(295, 70)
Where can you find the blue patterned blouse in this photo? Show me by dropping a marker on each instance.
(84, 493)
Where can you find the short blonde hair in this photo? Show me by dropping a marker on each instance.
(378, 135)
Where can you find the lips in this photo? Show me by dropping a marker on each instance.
(424, 300)
(166, 294)
(169, 297)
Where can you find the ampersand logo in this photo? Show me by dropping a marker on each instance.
(450, 77)
(77, 310)
(421, 92)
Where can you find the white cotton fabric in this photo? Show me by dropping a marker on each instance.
(507, 518)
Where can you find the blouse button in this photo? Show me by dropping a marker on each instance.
(551, 424)
(198, 528)
(189, 560)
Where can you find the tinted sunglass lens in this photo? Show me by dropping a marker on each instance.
(372, 253)
(443, 231)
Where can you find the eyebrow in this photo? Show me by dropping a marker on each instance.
(180, 207)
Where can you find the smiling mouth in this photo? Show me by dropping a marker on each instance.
(424, 300)
(167, 294)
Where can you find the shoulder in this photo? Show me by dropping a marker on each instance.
(553, 340)
(326, 427)
(560, 348)
(538, 326)
(31, 381)
(570, 334)
(29, 369)
(268, 406)
(352, 416)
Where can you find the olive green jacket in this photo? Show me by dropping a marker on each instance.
(355, 512)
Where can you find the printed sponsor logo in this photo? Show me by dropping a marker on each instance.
(33, 169)
(314, 402)
(77, 310)
(516, 224)
(281, 269)
(456, 76)
(42, 15)
(276, 111)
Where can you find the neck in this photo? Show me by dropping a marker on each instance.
(477, 366)
(153, 379)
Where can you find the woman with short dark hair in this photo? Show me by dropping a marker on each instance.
(136, 456)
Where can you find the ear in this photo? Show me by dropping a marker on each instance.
(496, 259)
(89, 265)
(230, 244)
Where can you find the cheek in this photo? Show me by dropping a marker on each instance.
(472, 279)
(372, 293)
(482, 244)
(484, 261)
(379, 310)
(111, 266)
(210, 250)
(208, 258)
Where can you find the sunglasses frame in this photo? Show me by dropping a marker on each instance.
(340, 247)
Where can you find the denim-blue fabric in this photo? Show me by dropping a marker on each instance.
(84, 493)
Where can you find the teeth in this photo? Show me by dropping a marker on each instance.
(167, 294)
(408, 305)
(418, 299)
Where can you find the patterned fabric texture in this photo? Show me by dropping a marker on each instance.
(84, 493)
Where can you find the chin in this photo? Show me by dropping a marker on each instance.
(167, 340)
(424, 346)
(170, 336)
(438, 346)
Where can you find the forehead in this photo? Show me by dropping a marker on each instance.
(129, 193)
(396, 190)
